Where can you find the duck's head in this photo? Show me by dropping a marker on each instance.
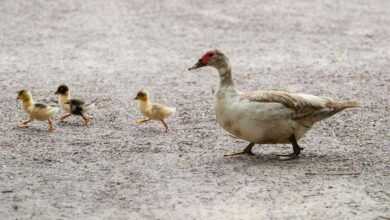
(24, 95)
(142, 95)
(62, 90)
(214, 58)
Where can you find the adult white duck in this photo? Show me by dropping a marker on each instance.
(266, 117)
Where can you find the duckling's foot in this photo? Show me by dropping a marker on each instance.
(141, 121)
(247, 150)
(22, 125)
(86, 119)
(297, 150)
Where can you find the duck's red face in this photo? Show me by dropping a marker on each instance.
(206, 60)
(207, 57)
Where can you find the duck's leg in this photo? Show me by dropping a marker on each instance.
(65, 116)
(51, 128)
(296, 148)
(24, 123)
(165, 125)
(247, 150)
(140, 121)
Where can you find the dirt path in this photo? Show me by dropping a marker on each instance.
(117, 170)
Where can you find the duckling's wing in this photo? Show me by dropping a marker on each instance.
(76, 102)
(76, 106)
(42, 111)
(161, 111)
(40, 106)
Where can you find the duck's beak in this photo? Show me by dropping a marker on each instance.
(197, 65)
(136, 98)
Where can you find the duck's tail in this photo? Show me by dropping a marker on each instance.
(329, 110)
(336, 107)
(339, 106)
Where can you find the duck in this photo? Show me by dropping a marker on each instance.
(152, 111)
(266, 116)
(72, 106)
(36, 111)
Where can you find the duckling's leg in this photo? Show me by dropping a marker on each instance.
(65, 116)
(165, 125)
(140, 121)
(296, 148)
(50, 125)
(247, 150)
(24, 123)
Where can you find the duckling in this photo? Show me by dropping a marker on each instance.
(266, 117)
(152, 111)
(72, 106)
(36, 111)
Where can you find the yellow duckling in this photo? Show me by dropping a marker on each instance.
(152, 111)
(36, 111)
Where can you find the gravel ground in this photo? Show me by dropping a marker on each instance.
(118, 170)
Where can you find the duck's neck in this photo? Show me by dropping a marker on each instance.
(225, 75)
(226, 84)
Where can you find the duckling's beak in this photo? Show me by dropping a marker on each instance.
(56, 93)
(136, 98)
(197, 65)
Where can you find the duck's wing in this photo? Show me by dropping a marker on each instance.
(296, 101)
(304, 106)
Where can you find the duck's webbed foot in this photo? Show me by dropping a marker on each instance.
(296, 148)
(247, 150)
